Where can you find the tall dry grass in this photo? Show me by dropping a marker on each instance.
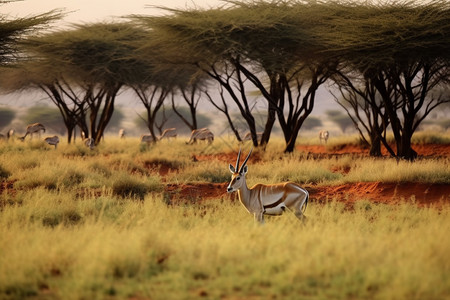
(100, 247)
(82, 224)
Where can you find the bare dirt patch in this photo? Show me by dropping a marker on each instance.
(422, 194)
(162, 167)
(321, 151)
(196, 192)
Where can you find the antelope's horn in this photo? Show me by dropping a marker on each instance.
(237, 160)
(246, 159)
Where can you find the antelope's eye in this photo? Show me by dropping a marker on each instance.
(237, 178)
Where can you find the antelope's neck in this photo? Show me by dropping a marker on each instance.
(244, 195)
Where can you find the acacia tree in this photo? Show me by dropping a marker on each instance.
(88, 65)
(247, 45)
(401, 48)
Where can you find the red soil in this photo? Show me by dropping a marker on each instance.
(422, 194)
(194, 192)
(423, 150)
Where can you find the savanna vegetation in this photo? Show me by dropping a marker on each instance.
(388, 64)
(102, 224)
(127, 220)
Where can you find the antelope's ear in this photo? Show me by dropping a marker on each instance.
(244, 170)
(232, 170)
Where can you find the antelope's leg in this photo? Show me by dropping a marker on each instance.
(259, 217)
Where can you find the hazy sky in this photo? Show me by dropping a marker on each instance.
(98, 10)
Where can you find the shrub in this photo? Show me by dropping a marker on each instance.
(127, 186)
(71, 178)
(68, 217)
(4, 173)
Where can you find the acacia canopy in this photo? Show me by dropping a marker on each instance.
(269, 45)
(13, 31)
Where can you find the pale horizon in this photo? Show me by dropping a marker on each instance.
(86, 11)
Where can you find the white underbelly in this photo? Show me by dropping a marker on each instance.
(275, 211)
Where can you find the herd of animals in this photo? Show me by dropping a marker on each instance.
(36, 128)
(202, 134)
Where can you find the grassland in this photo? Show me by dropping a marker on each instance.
(81, 224)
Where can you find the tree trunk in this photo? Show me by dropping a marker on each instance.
(271, 117)
(290, 143)
(375, 145)
(151, 120)
(404, 148)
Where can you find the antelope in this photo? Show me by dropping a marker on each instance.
(267, 199)
(33, 128)
(248, 136)
(89, 142)
(122, 133)
(10, 133)
(168, 133)
(147, 138)
(201, 134)
(52, 140)
(2, 137)
(323, 135)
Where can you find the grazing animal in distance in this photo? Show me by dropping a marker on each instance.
(147, 138)
(32, 129)
(52, 140)
(267, 199)
(324, 135)
(168, 133)
(122, 133)
(10, 133)
(90, 143)
(248, 136)
(201, 134)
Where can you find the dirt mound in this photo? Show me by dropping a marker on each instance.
(195, 192)
(442, 150)
(422, 194)
(321, 151)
